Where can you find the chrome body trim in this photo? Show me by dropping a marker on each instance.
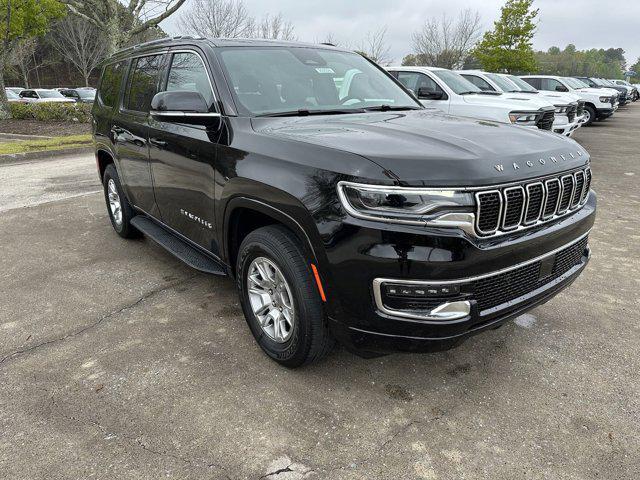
(451, 307)
(506, 208)
(478, 229)
(528, 199)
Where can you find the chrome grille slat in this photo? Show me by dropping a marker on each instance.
(514, 207)
(513, 199)
(579, 186)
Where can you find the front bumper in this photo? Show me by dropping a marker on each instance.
(564, 127)
(452, 260)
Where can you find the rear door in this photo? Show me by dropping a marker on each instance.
(183, 157)
(130, 130)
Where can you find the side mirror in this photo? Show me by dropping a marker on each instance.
(182, 107)
(425, 94)
(561, 88)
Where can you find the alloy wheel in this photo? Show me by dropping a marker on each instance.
(271, 299)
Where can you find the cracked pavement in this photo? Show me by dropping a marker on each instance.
(117, 361)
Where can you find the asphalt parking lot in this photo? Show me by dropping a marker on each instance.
(117, 361)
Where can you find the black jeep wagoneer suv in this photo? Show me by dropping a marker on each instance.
(343, 208)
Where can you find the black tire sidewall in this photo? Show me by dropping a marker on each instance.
(125, 229)
(592, 114)
(295, 350)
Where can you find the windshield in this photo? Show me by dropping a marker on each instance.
(50, 94)
(272, 80)
(456, 82)
(504, 85)
(521, 84)
(607, 83)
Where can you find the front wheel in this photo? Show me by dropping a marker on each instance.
(590, 112)
(280, 299)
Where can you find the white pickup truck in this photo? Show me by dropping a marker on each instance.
(451, 93)
(598, 103)
(569, 109)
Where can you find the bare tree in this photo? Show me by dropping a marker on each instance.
(231, 19)
(446, 42)
(275, 28)
(22, 59)
(330, 38)
(80, 43)
(218, 19)
(375, 46)
(118, 22)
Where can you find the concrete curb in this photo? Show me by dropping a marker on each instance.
(16, 136)
(44, 155)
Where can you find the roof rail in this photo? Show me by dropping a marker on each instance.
(327, 43)
(156, 42)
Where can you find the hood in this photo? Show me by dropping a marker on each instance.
(560, 98)
(426, 148)
(599, 91)
(503, 101)
(536, 101)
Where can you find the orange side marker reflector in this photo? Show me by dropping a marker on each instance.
(319, 283)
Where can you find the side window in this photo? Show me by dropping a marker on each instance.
(534, 82)
(143, 83)
(188, 73)
(479, 82)
(550, 84)
(415, 81)
(110, 85)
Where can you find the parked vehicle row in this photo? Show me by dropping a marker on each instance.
(48, 95)
(344, 207)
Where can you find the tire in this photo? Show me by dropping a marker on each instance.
(122, 223)
(589, 110)
(306, 338)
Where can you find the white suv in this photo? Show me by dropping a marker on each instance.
(598, 103)
(569, 109)
(451, 93)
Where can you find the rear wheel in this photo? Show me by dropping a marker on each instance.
(590, 112)
(120, 211)
(280, 299)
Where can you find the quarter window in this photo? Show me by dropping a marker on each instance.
(110, 85)
(188, 73)
(143, 83)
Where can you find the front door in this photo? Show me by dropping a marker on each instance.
(130, 130)
(183, 158)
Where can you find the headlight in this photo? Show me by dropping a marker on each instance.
(562, 109)
(605, 99)
(523, 118)
(415, 206)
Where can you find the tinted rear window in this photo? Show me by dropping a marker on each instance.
(110, 85)
(143, 83)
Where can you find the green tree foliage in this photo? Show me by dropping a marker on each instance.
(20, 20)
(599, 63)
(635, 68)
(508, 47)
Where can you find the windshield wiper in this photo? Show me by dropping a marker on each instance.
(468, 92)
(482, 92)
(387, 108)
(303, 112)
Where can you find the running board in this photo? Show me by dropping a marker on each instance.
(177, 247)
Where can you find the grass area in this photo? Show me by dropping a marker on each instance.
(56, 143)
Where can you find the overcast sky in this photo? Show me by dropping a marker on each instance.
(585, 23)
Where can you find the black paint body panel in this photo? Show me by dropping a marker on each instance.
(288, 168)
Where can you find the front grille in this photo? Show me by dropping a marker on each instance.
(527, 204)
(546, 121)
(580, 110)
(499, 289)
(571, 112)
